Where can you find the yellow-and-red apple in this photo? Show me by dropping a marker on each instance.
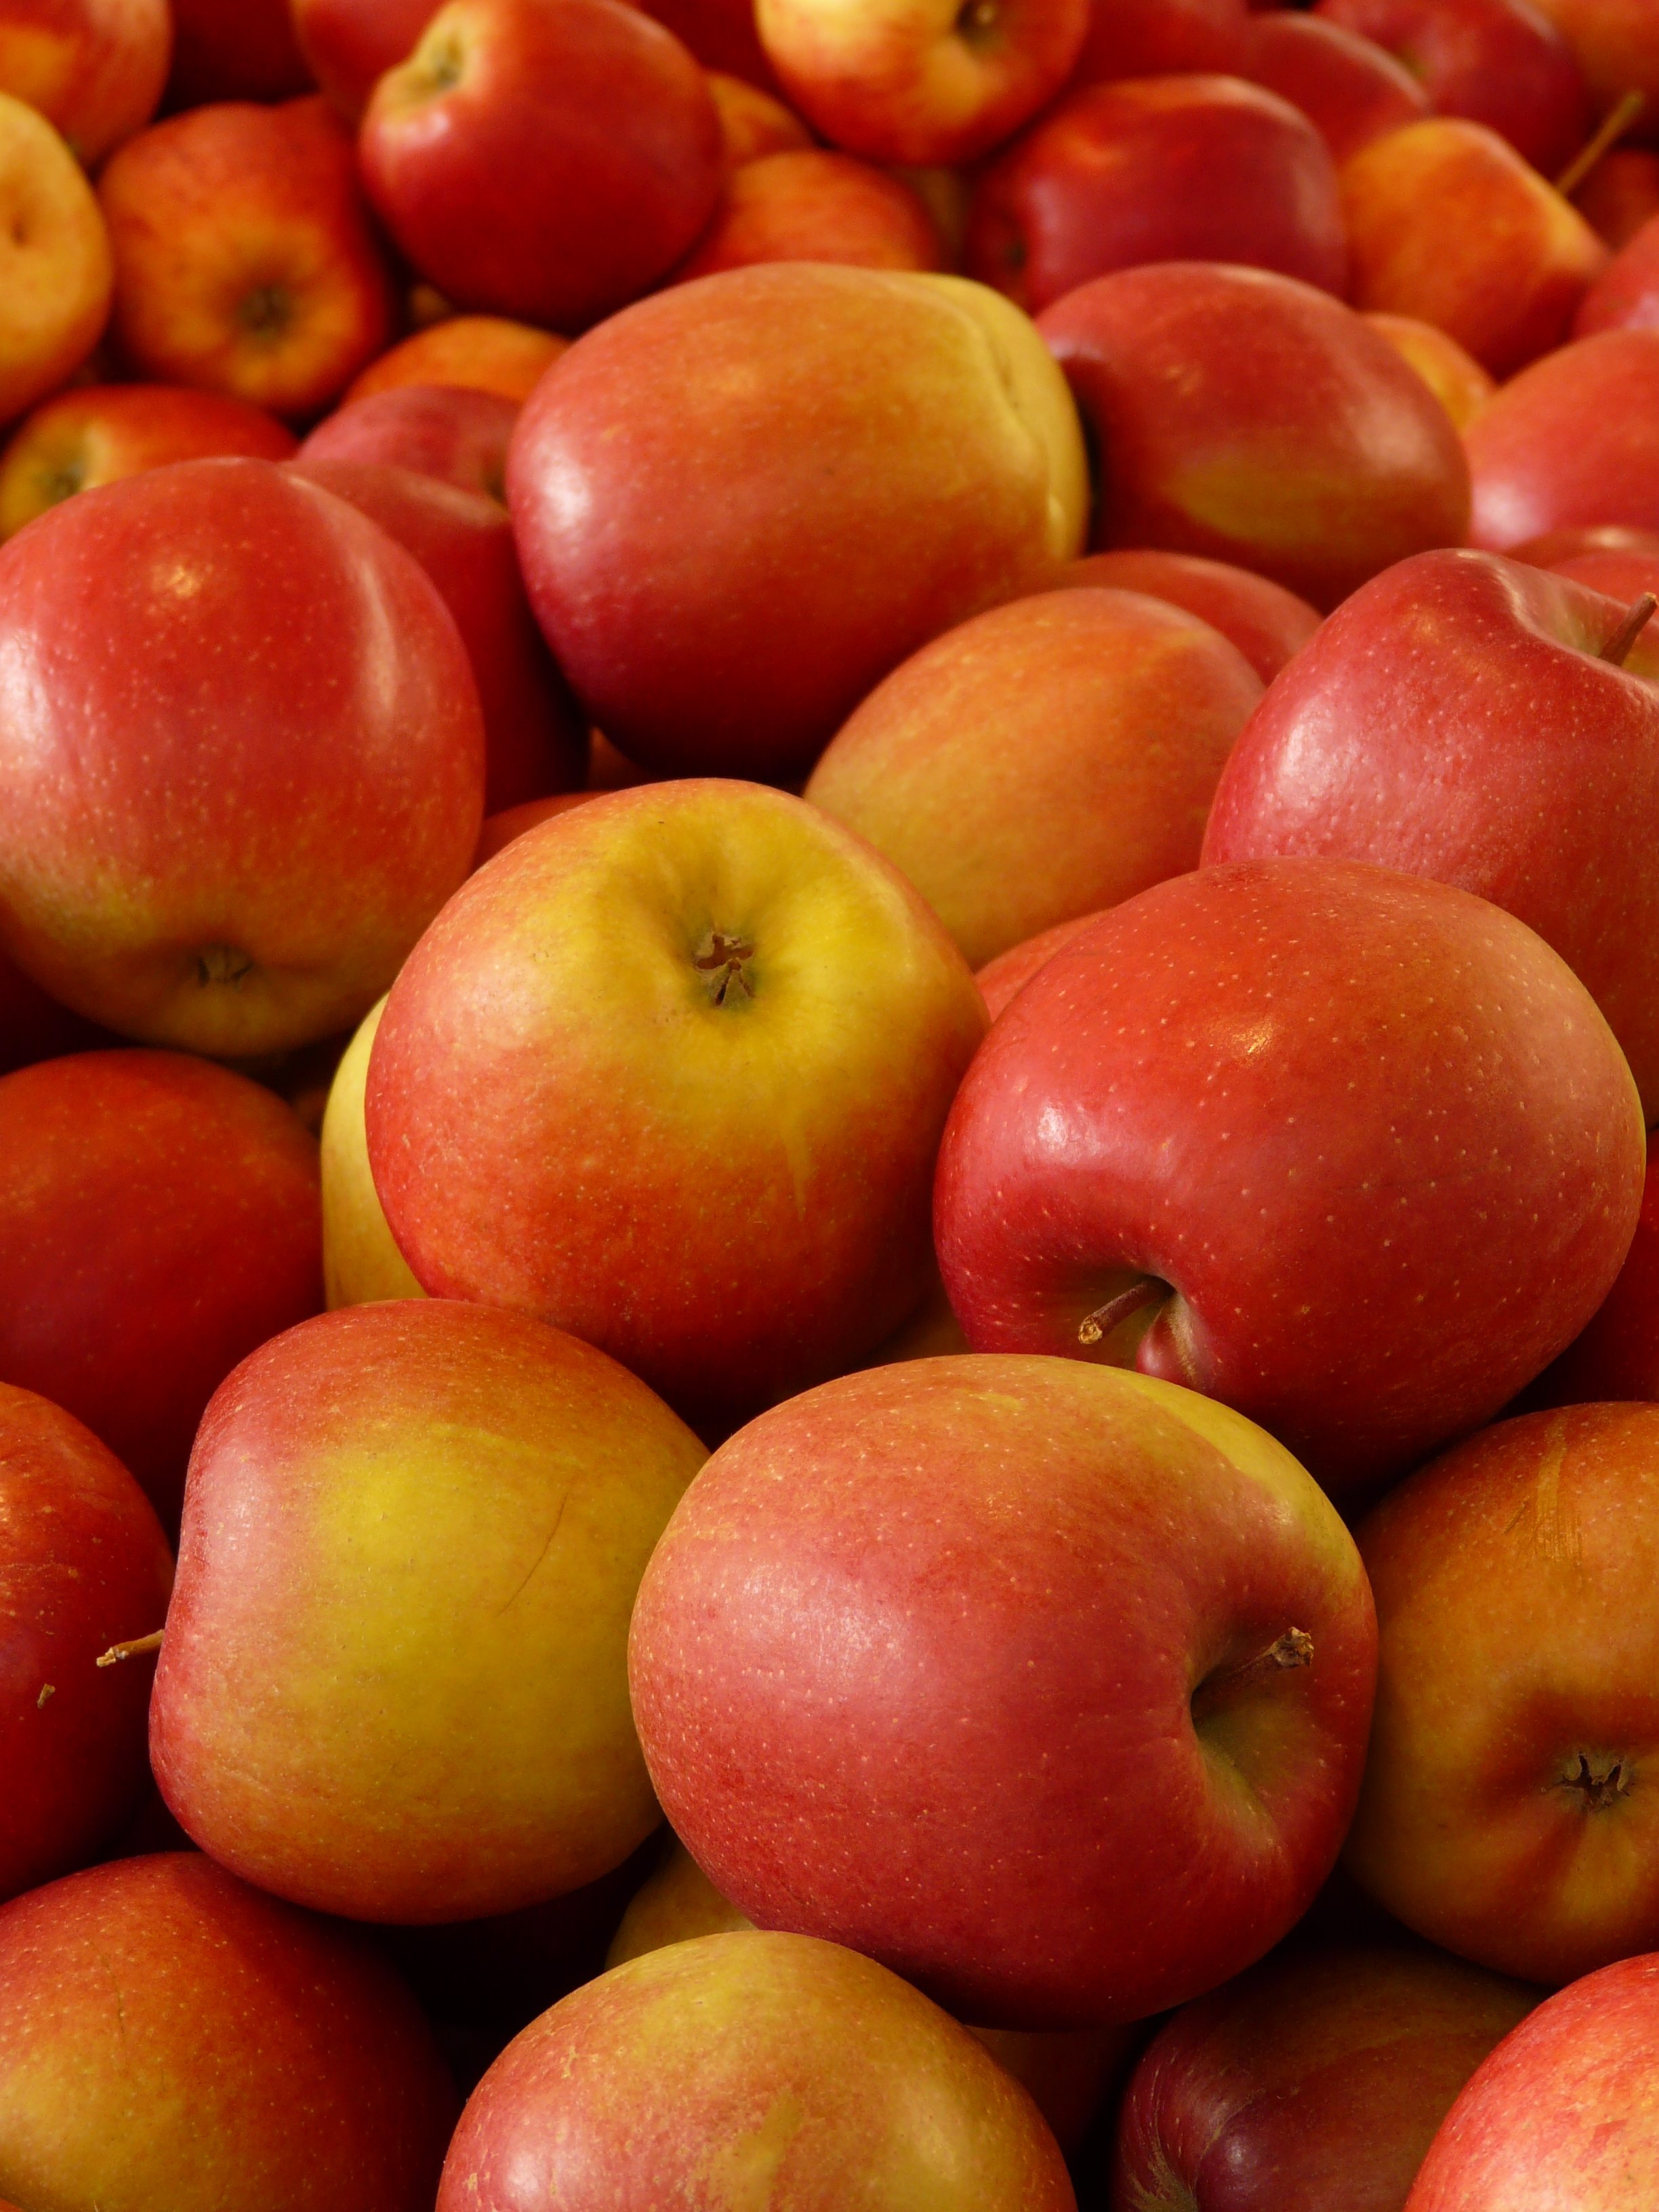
(1616, 43)
(361, 1263)
(752, 123)
(1573, 441)
(55, 269)
(1453, 374)
(95, 69)
(814, 205)
(481, 353)
(1266, 623)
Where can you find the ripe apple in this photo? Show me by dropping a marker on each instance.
(452, 432)
(863, 459)
(1245, 417)
(482, 353)
(360, 1259)
(56, 272)
(1617, 1353)
(752, 123)
(243, 753)
(1573, 439)
(1000, 979)
(1266, 623)
(747, 1030)
(1626, 296)
(816, 206)
(95, 69)
(245, 53)
(1456, 378)
(1162, 38)
(394, 1683)
(1175, 168)
(173, 2041)
(1586, 540)
(1620, 195)
(545, 159)
(1616, 43)
(1508, 1811)
(722, 35)
(1045, 760)
(243, 259)
(1352, 1151)
(499, 830)
(1350, 89)
(350, 43)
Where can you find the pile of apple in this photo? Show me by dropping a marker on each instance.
(829, 998)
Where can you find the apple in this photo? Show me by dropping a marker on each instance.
(351, 44)
(243, 753)
(1174, 168)
(921, 81)
(816, 206)
(1573, 440)
(95, 69)
(361, 1263)
(752, 123)
(56, 272)
(1122, 1786)
(83, 1565)
(454, 432)
(1626, 296)
(863, 459)
(1249, 418)
(1352, 1151)
(1456, 378)
(1586, 540)
(482, 353)
(682, 1051)
(999, 979)
(393, 1684)
(1616, 44)
(722, 35)
(103, 432)
(1313, 2081)
(1045, 760)
(244, 260)
(548, 162)
(499, 830)
(245, 53)
(1504, 1814)
(1620, 193)
(1350, 89)
(1447, 223)
(1266, 623)
(173, 2041)
(1617, 1353)
(789, 2070)
(1561, 2114)
(1162, 38)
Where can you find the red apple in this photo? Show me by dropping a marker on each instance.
(1162, 38)
(172, 2040)
(1266, 623)
(816, 206)
(1174, 168)
(55, 265)
(863, 459)
(546, 159)
(754, 1060)
(247, 51)
(1245, 417)
(1352, 1151)
(1008, 973)
(499, 830)
(350, 43)
(722, 35)
(1573, 440)
(243, 259)
(1125, 1782)
(1456, 378)
(1620, 193)
(454, 432)
(482, 353)
(93, 67)
(1584, 540)
(1350, 89)
(1617, 1354)
(243, 753)
(1626, 296)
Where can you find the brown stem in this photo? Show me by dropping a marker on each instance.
(1094, 1325)
(1618, 647)
(1613, 125)
(136, 1650)
(1293, 1649)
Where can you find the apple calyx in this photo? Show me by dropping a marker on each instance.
(135, 1650)
(266, 312)
(1618, 647)
(978, 21)
(723, 960)
(1295, 1648)
(1599, 1791)
(222, 964)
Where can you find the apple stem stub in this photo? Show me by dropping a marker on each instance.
(135, 1650)
(1617, 650)
(1295, 1648)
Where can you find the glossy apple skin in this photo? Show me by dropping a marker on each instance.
(1239, 1084)
(1045, 760)
(1350, 89)
(1162, 38)
(1266, 623)
(98, 435)
(1508, 1811)
(1000, 979)
(1505, 280)
(1573, 440)
(245, 53)
(166, 867)
(1456, 378)
(173, 2041)
(164, 1211)
(452, 432)
(816, 206)
(1560, 2119)
(848, 475)
(1620, 193)
(83, 1564)
(1617, 1354)
(1626, 296)
(93, 67)
(1228, 403)
(348, 44)
(827, 2077)
(482, 353)
(1396, 739)
(1497, 61)
(1010, 1819)
(820, 1072)
(544, 162)
(1174, 168)
(1312, 2082)
(1587, 541)
(373, 1619)
(56, 271)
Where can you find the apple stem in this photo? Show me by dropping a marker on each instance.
(1094, 1325)
(1618, 647)
(136, 1650)
(1613, 125)
(1293, 1649)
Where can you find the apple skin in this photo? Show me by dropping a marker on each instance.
(1311, 2082)
(373, 1620)
(1585, 540)
(482, 353)
(361, 1263)
(752, 123)
(165, 1212)
(865, 458)
(1573, 440)
(244, 259)
(1626, 296)
(79, 439)
(1617, 1353)
(350, 43)
(1504, 279)
(164, 868)
(1266, 623)
(1560, 2118)
(826, 2082)
(245, 53)
(1396, 739)
(1617, 46)
(1350, 89)
(455, 433)
(548, 162)
(1456, 378)
(83, 1564)
(1508, 1811)
(1046, 759)
(792, 1198)
(95, 69)
(816, 206)
(1252, 419)
(1174, 168)
(56, 271)
(499, 830)
(1620, 193)
(722, 35)
(173, 2041)
(1162, 38)
(1234, 1093)
(1000, 979)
